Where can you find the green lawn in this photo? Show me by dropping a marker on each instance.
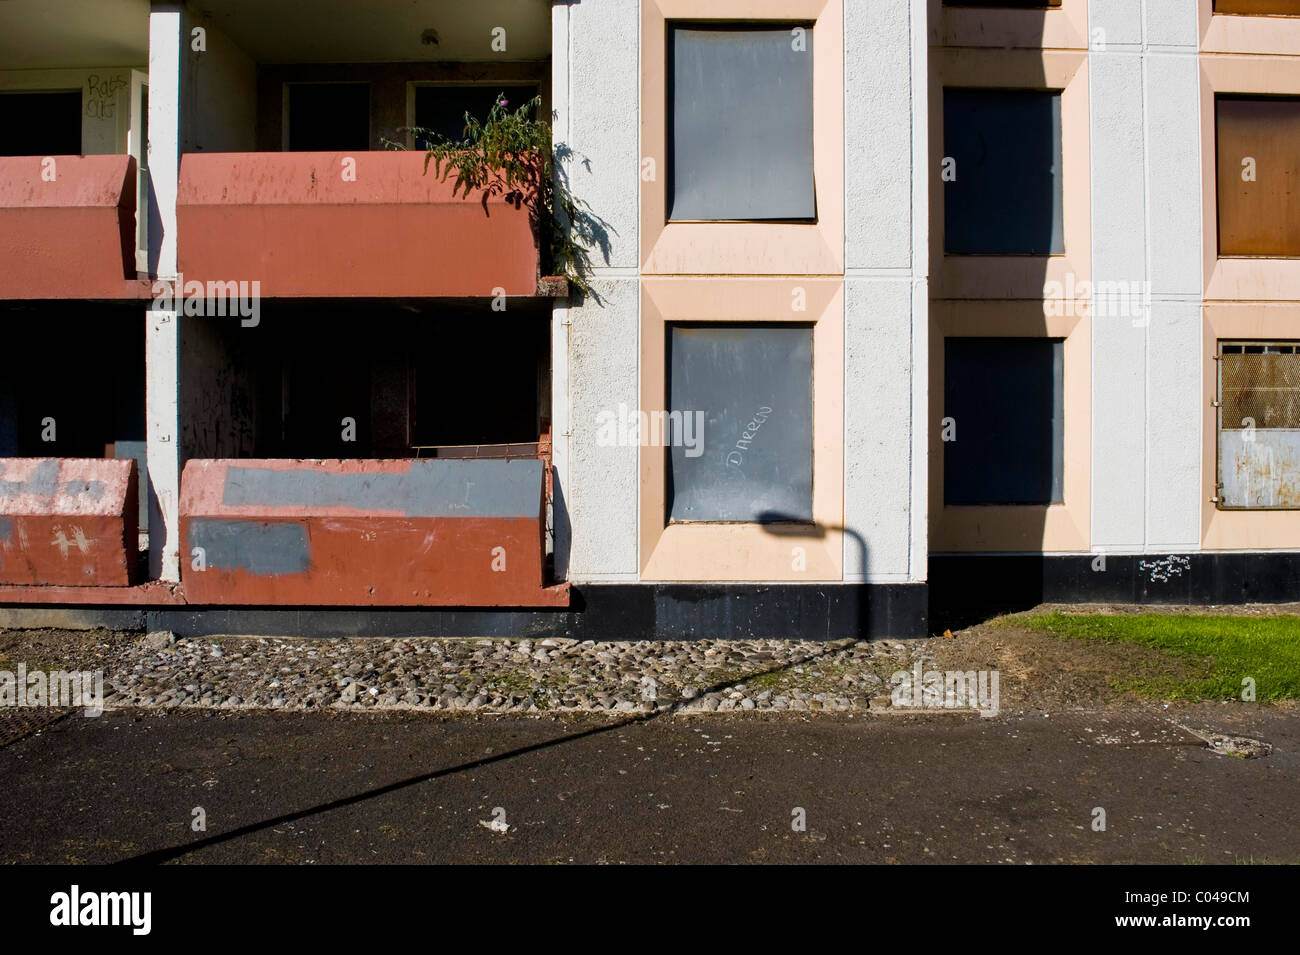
(1216, 653)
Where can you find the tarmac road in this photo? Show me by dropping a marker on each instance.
(328, 787)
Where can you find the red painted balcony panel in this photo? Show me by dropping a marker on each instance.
(67, 228)
(302, 227)
(367, 533)
(68, 521)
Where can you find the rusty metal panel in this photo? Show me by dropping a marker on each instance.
(1259, 175)
(1259, 425)
(1281, 8)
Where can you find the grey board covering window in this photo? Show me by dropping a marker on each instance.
(1004, 396)
(1005, 148)
(329, 117)
(740, 122)
(751, 388)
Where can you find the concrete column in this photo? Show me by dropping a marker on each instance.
(162, 392)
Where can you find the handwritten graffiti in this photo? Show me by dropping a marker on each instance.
(101, 95)
(1165, 569)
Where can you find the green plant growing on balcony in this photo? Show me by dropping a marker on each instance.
(510, 155)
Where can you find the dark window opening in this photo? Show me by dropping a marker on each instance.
(1004, 421)
(441, 109)
(1002, 172)
(355, 381)
(76, 386)
(739, 430)
(329, 117)
(41, 123)
(740, 122)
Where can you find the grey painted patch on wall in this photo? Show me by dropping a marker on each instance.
(259, 547)
(740, 123)
(43, 482)
(6, 530)
(492, 489)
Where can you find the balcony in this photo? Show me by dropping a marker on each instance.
(367, 224)
(68, 228)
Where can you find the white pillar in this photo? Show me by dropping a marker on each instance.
(162, 346)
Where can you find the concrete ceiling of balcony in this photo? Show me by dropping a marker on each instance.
(378, 31)
(67, 34)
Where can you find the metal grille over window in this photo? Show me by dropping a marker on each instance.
(1259, 425)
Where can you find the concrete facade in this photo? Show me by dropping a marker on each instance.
(871, 276)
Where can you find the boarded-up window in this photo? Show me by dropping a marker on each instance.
(441, 109)
(739, 427)
(1004, 421)
(740, 122)
(1259, 425)
(1002, 172)
(1259, 175)
(329, 117)
(1011, 4)
(40, 124)
(1284, 8)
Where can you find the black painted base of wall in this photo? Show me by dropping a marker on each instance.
(599, 612)
(963, 589)
(968, 588)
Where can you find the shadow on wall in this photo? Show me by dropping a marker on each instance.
(785, 525)
(998, 201)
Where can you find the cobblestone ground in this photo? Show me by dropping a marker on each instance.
(497, 676)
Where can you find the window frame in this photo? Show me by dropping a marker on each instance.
(704, 551)
(1246, 33)
(1240, 278)
(1016, 276)
(744, 247)
(1057, 28)
(1017, 528)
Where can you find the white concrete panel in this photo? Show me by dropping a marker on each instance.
(1171, 22)
(1118, 202)
(878, 134)
(604, 98)
(1174, 174)
(878, 457)
(1119, 20)
(1118, 433)
(599, 484)
(1174, 427)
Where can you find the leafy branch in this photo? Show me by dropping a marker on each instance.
(509, 155)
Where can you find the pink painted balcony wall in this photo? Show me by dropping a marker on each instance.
(68, 228)
(348, 225)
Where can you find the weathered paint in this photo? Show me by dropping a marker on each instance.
(304, 226)
(430, 488)
(380, 533)
(259, 547)
(68, 522)
(67, 228)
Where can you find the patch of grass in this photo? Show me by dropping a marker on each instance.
(1217, 653)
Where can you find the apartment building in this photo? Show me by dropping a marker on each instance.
(892, 309)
